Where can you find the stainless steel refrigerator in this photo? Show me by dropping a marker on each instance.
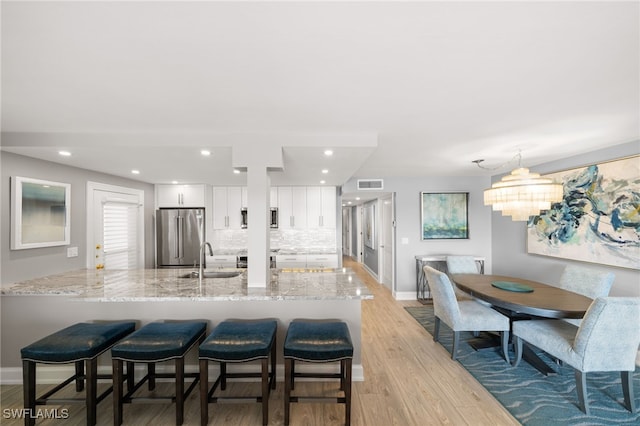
(179, 234)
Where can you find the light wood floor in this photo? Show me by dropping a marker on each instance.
(409, 380)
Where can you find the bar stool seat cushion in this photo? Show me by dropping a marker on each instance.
(77, 342)
(159, 341)
(318, 341)
(239, 341)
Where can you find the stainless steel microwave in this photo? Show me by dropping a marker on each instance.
(273, 217)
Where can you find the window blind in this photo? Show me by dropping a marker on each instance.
(120, 223)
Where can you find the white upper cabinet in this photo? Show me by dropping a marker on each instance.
(180, 195)
(227, 207)
(321, 207)
(292, 207)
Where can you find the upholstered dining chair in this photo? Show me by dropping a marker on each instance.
(587, 282)
(607, 340)
(462, 315)
(462, 265)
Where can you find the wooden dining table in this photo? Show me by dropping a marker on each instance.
(532, 300)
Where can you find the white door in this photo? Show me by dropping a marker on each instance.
(346, 231)
(115, 227)
(359, 253)
(386, 242)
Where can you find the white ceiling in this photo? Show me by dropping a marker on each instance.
(395, 88)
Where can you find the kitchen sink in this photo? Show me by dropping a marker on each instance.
(212, 274)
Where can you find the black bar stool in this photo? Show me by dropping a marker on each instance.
(235, 341)
(80, 344)
(155, 342)
(318, 342)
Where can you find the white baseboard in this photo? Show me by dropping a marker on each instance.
(405, 295)
(53, 374)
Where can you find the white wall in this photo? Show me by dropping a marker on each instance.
(509, 238)
(18, 265)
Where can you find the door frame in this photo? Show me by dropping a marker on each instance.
(90, 202)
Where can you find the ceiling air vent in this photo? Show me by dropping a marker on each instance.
(370, 184)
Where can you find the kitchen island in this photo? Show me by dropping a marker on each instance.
(38, 307)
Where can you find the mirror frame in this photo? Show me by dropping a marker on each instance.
(17, 243)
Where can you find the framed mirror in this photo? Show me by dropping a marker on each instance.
(40, 211)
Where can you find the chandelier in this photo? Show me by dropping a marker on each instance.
(522, 194)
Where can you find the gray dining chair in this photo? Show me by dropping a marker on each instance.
(587, 282)
(606, 340)
(462, 315)
(462, 265)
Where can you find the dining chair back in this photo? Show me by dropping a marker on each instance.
(462, 265)
(462, 315)
(587, 282)
(606, 340)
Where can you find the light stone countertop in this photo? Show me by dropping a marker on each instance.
(166, 285)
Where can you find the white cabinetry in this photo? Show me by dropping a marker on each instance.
(291, 261)
(221, 261)
(292, 207)
(180, 195)
(227, 206)
(321, 207)
(307, 260)
(322, 261)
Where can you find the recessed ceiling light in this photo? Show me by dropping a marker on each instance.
(328, 153)
(323, 182)
(135, 172)
(64, 153)
(357, 198)
(205, 152)
(174, 182)
(325, 171)
(348, 202)
(236, 171)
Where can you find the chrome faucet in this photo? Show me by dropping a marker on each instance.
(201, 269)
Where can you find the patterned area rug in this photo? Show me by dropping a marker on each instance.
(532, 398)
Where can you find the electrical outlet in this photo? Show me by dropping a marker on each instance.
(72, 252)
(405, 240)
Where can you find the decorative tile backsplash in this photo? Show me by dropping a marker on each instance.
(285, 239)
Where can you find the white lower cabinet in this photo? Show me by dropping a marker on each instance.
(221, 261)
(307, 261)
(291, 261)
(322, 261)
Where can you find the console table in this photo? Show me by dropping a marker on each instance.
(436, 261)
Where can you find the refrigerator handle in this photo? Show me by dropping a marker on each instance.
(177, 239)
(181, 237)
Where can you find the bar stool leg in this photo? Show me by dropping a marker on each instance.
(179, 390)
(130, 375)
(223, 375)
(92, 390)
(347, 392)
(288, 381)
(117, 391)
(151, 371)
(265, 391)
(79, 376)
(293, 373)
(273, 364)
(29, 390)
(204, 392)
